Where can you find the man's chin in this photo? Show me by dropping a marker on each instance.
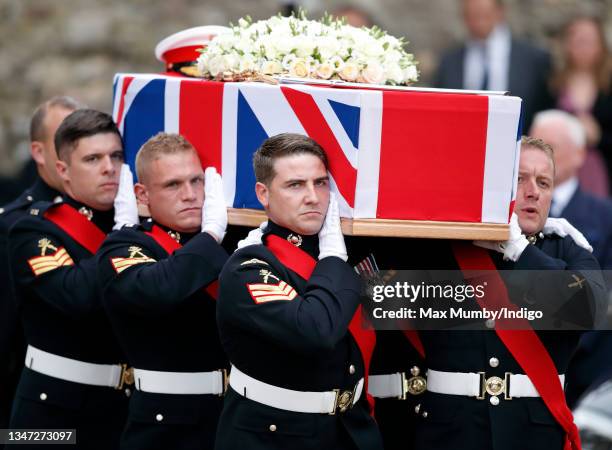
(529, 226)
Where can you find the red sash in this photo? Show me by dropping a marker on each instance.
(170, 245)
(77, 226)
(415, 341)
(524, 344)
(303, 264)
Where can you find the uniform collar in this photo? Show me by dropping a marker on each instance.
(102, 219)
(41, 191)
(310, 244)
(180, 237)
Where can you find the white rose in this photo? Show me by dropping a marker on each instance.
(373, 73)
(231, 61)
(216, 65)
(304, 46)
(325, 71)
(336, 62)
(411, 73)
(299, 68)
(349, 71)
(271, 68)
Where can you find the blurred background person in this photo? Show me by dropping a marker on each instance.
(354, 15)
(590, 214)
(581, 85)
(493, 59)
(591, 363)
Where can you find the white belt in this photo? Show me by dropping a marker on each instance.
(110, 375)
(290, 400)
(180, 382)
(396, 385)
(477, 384)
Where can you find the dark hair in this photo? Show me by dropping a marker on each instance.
(80, 124)
(37, 128)
(281, 145)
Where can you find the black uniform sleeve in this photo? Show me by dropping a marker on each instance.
(41, 263)
(255, 297)
(572, 288)
(130, 270)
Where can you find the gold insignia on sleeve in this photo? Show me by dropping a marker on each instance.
(135, 257)
(253, 261)
(46, 263)
(579, 282)
(266, 274)
(263, 293)
(45, 244)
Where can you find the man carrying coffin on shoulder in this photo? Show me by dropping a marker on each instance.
(502, 388)
(159, 284)
(74, 368)
(289, 317)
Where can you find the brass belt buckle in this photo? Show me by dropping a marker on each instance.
(344, 400)
(125, 377)
(494, 386)
(416, 384)
(225, 381)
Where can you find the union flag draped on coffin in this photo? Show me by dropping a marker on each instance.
(393, 154)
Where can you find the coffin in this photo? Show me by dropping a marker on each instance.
(408, 162)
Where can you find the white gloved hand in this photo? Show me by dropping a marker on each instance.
(254, 236)
(513, 248)
(126, 207)
(331, 240)
(214, 210)
(562, 228)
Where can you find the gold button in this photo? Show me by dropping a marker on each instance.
(494, 362)
(43, 396)
(351, 369)
(159, 417)
(29, 198)
(417, 408)
(128, 392)
(425, 414)
(272, 427)
(1, 210)
(494, 400)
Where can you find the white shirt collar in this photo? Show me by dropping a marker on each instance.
(497, 62)
(562, 195)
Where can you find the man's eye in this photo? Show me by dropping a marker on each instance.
(321, 183)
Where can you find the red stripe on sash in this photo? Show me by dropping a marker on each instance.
(524, 344)
(303, 264)
(170, 245)
(77, 226)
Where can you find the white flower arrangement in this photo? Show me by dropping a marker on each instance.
(302, 48)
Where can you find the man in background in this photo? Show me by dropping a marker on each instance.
(47, 187)
(492, 59)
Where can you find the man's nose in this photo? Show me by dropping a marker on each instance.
(532, 190)
(188, 192)
(311, 194)
(107, 165)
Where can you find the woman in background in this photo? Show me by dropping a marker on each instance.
(582, 87)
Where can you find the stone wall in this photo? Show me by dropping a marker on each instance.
(51, 47)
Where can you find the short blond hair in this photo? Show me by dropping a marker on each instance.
(160, 144)
(539, 144)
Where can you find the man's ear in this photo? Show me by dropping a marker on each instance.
(36, 150)
(142, 195)
(63, 170)
(263, 194)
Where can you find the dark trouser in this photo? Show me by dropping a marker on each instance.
(98, 414)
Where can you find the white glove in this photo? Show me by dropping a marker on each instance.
(331, 240)
(562, 228)
(126, 208)
(254, 236)
(214, 211)
(513, 248)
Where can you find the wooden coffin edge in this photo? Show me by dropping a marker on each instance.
(394, 228)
